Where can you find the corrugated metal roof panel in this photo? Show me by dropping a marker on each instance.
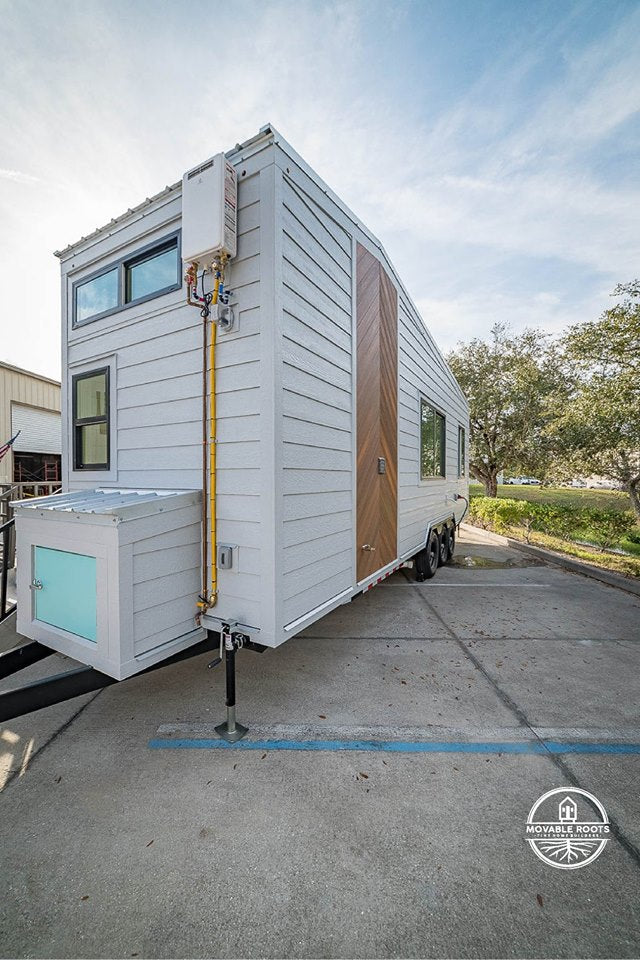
(114, 502)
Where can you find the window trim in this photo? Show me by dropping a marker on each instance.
(462, 450)
(122, 265)
(443, 460)
(77, 423)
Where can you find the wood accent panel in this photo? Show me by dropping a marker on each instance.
(388, 419)
(367, 410)
(377, 414)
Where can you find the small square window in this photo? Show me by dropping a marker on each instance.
(91, 420)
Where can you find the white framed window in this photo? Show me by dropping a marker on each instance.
(433, 442)
(462, 452)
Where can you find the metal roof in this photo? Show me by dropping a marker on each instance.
(116, 503)
(265, 131)
(29, 373)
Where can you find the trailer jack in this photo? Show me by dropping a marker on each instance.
(232, 640)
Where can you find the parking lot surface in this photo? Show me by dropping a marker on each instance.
(126, 832)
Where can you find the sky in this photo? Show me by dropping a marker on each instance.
(491, 145)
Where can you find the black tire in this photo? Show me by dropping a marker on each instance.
(443, 551)
(427, 560)
(451, 533)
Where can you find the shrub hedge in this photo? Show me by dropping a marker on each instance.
(604, 528)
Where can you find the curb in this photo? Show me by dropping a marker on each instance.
(568, 563)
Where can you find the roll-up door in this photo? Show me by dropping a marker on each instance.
(40, 430)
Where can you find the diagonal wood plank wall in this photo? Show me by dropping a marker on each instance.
(377, 415)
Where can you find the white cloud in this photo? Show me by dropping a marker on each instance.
(17, 176)
(105, 103)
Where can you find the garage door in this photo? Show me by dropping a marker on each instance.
(40, 430)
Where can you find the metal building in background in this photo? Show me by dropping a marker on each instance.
(30, 408)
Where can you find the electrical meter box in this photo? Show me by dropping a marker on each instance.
(209, 211)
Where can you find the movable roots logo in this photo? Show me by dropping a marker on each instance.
(567, 828)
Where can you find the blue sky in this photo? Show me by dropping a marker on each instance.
(492, 146)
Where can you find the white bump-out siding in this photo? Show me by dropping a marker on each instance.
(157, 403)
(238, 409)
(317, 434)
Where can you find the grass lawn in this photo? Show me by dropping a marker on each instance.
(570, 497)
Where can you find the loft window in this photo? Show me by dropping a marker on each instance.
(462, 440)
(97, 296)
(151, 272)
(91, 420)
(432, 442)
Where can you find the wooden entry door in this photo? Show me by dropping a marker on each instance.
(377, 415)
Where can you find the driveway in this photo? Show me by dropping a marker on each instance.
(433, 716)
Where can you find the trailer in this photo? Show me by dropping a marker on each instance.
(257, 424)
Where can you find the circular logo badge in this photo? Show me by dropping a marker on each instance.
(567, 828)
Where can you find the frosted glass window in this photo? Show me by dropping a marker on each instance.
(91, 396)
(93, 447)
(91, 420)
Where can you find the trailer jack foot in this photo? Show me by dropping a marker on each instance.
(231, 730)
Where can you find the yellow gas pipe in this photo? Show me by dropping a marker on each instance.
(218, 268)
(208, 599)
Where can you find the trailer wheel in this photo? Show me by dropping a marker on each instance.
(452, 542)
(427, 560)
(443, 547)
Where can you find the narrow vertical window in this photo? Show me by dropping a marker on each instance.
(462, 452)
(91, 420)
(433, 442)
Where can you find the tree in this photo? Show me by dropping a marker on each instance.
(601, 423)
(508, 383)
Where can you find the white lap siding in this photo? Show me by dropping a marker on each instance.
(423, 372)
(317, 433)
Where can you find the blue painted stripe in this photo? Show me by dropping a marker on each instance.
(396, 746)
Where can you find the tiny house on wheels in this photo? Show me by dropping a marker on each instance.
(257, 424)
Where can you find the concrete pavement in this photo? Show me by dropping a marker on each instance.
(111, 848)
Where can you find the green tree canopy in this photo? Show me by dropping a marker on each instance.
(508, 382)
(600, 426)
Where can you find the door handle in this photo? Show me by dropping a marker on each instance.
(369, 548)
(35, 585)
